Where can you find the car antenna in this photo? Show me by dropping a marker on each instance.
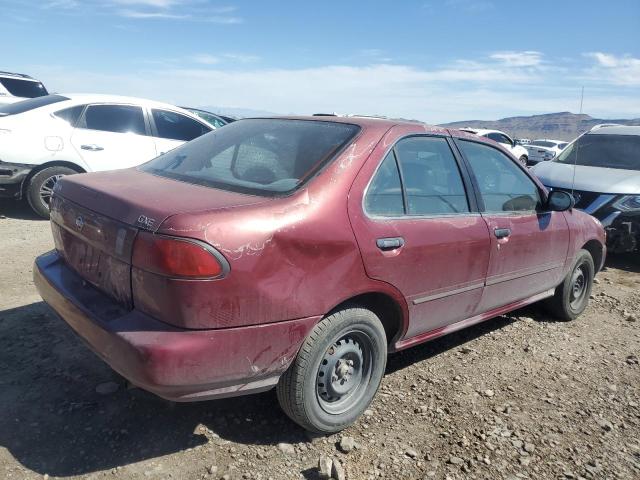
(575, 159)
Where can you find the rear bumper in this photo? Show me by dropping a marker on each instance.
(12, 176)
(173, 363)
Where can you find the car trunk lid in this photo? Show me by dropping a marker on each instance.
(95, 219)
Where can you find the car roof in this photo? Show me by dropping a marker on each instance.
(360, 120)
(616, 130)
(20, 76)
(549, 140)
(480, 131)
(99, 97)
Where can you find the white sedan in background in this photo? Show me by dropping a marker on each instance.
(505, 140)
(42, 139)
(544, 149)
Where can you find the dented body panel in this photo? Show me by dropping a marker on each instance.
(292, 259)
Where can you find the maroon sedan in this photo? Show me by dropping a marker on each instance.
(297, 252)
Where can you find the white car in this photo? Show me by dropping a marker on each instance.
(505, 140)
(45, 138)
(15, 87)
(544, 149)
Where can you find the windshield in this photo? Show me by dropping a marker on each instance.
(258, 156)
(608, 151)
(24, 88)
(31, 104)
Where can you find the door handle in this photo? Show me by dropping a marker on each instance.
(502, 232)
(92, 148)
(389, 243)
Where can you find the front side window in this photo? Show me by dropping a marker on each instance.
(115, 118)
(602, 150)
(23, 88)
(503, 185)
(175, 126)
(258, 156)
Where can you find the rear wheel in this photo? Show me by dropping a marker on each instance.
(337, 371)
(572, 295)
(40, 188)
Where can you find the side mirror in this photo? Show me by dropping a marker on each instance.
(559, 201)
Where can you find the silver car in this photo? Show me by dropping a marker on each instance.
(602, 169)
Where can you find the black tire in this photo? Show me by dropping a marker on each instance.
(523, 160)
(572, 295)
(328, 407)
(41, 185)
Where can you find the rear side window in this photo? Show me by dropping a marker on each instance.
(430, 184)
(503, 185)
(384, 197)
(70, 115)
(259, 156)
(24, 88)
(31, 104)
(175, 126)
(432, 180)
(115, 118)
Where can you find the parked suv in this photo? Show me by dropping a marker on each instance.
(296, 252)
(503, 139)
(18, 86)
(46, 138)
(601, 169)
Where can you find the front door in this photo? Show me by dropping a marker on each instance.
(420, 232)
(110, 136)
(528, 246)
(172, 129)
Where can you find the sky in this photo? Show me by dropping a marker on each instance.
(432, 60)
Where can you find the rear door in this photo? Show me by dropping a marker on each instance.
(528, 245)
(418, 229)
(113, 136)
(172, 129)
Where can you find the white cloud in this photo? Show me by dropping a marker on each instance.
(528, 58)
(461, 90)
(151, 15)
(621, 70)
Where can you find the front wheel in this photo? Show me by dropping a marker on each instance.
(572, 295)
(40, 188)
(337, 371)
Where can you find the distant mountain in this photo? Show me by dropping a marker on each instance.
(239, 112)
(560, 126)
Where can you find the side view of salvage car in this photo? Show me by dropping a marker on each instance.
(297, 252)
(601, 169)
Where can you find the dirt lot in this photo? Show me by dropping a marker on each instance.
(520, 396)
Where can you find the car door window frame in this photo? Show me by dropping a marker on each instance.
(476, 186)
(154, 129)
(469, 186)
(82, 119)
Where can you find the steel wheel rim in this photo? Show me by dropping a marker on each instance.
(344, 373)
(578, 286)
(46, 189)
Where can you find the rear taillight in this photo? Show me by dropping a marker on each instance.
(177, 257)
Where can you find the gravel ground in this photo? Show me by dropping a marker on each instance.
(520, 396)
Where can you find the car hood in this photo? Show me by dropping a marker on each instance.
(591, 179)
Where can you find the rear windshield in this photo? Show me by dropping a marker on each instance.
(257, 156)
(24, 88)
(608, 151)
(543, 143)
(32, 103)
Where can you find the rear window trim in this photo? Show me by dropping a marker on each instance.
(256, 192)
